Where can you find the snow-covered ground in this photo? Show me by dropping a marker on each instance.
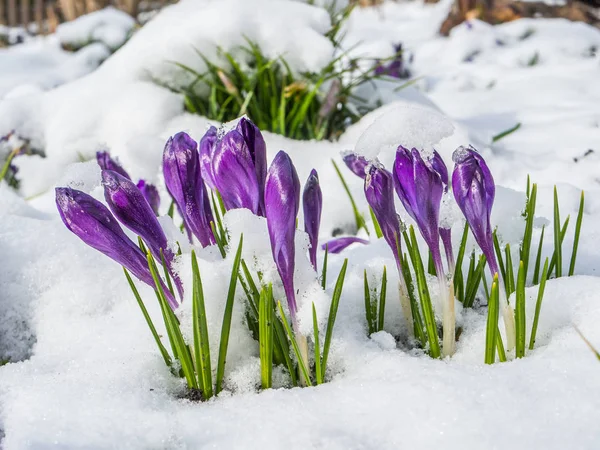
(90, 375)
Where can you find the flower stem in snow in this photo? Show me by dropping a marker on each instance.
(507, 310)
(448, 315)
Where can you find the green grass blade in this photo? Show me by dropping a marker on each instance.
(500, 258)
(368, 310)
(335, 302)
(265, 320)
(429, 316)
(292, 339)
(577, 234)
(473, 282)
(161, 347)
(492, 323)
(360, 221)
(376, 225)
(538, 258)
(324, 271)
(520, 311)
(226, 327)
(510, 274)
(166, 272)
(200, 326)
(563, 232)
(538, 305)
(557, 240)
(500, 346)
(318, 372)
(418, 327)
(530, 215)
(382, 298)
(172, 324)
(218, 239)
(505, 133)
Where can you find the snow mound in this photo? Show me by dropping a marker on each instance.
(108, 26)
(404, 124)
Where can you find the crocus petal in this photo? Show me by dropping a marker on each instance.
(282, 201)
(128, 205)
(356, 163)
(338, 245)
(107, 163)
(207, 148)
(379, 191)
(312, 202)
(474, 189)
(258, 152)
(181, 169)
(438, 164)
(404, 180)
(428, 191)
(151, 195)
(234, 173)
(93, 223)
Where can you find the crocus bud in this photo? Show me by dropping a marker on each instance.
(181, 169)
(258, 153)
(312, 202)
(379, 191)
(151, 195)
(107, 163)
(234, 173)
(356, 163)
(282, 201)
(474, 191)
(128, 205)
(207, 149)
(420, 190)
(93, 223)
(439, 166)
(338, 245)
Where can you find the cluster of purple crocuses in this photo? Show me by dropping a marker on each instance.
(234, 166)
(420, 183)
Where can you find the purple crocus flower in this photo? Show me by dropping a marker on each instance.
(312, 202)
(151, 195)
(395, 68)
(282, 201)
(420, 189)
(129, 205)
(93, 223)
(439, 166)
(181, 169)
(338, 245)
(356, 163)
(474, 190)
(258, 152)
(379, 191)
(107, 163)
(207, 148)
(234, 173)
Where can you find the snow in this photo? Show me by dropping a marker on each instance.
(84, 370)
(109, 26)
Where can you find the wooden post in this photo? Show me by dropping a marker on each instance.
(2, 21)
(25, 6)
(12, 13)
(39, 15)
(51, 17)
